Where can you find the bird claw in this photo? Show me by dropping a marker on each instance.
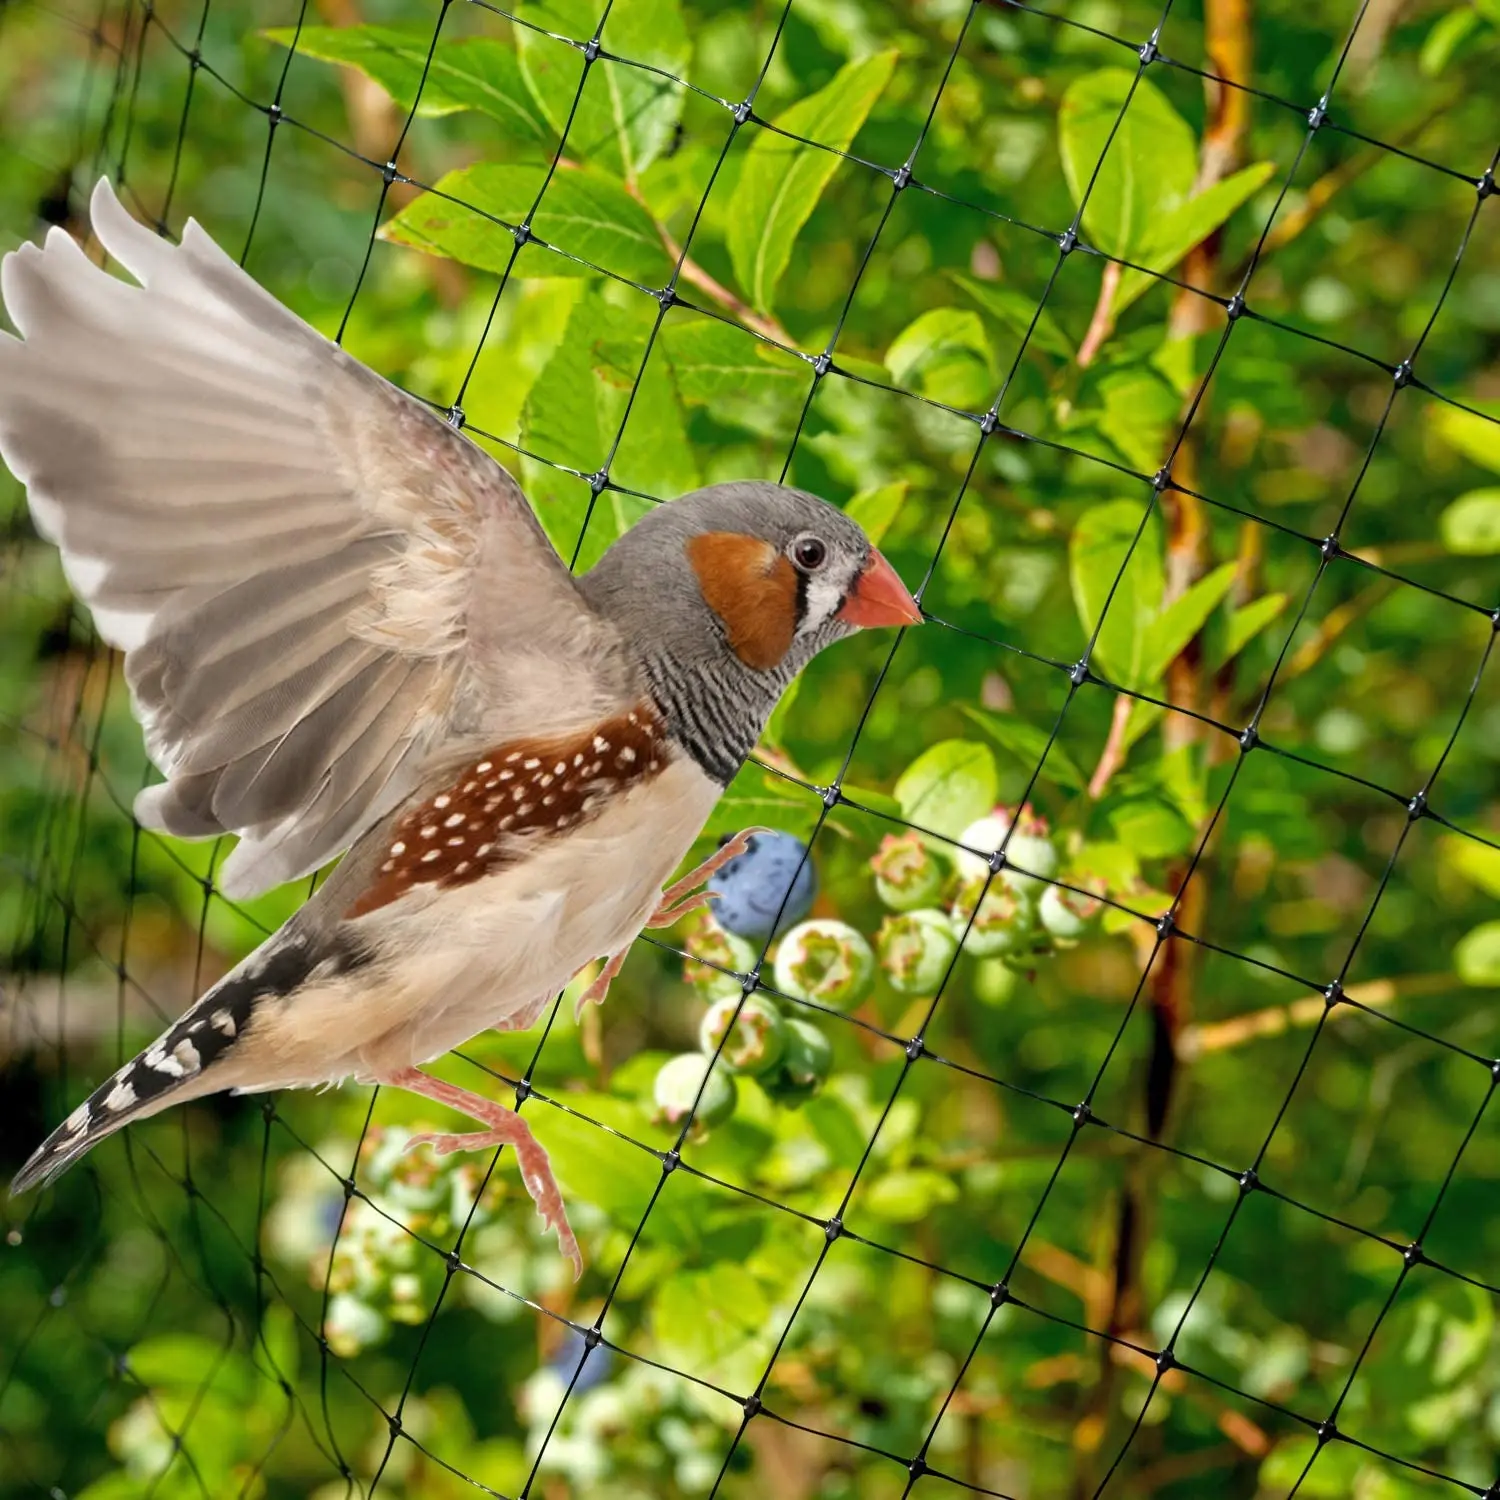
(536, 1174)
(595, 993)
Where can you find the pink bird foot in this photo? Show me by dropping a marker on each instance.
(506, 1128)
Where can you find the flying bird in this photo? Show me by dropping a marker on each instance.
(346, 634)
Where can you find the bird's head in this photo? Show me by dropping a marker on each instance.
(768, 574)
(728, 593)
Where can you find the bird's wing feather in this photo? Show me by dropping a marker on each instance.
(313, 577)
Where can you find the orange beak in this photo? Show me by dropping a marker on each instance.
(879, 597)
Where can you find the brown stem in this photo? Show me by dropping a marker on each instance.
(1274, 1020)
(693, 273)
(1112, 757)
(1170, 979)
(1102, 324)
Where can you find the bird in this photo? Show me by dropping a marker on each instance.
(347, 637)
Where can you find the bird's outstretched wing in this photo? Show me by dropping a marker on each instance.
(314, 579)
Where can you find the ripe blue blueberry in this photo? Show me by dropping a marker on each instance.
(750, 889)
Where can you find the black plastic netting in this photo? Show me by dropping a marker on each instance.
(1150, 1287)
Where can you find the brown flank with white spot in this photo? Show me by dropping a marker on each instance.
(475, 825)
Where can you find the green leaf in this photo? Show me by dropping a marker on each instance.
(573, 411)
(477, 73)
(593, 1165)
(1173, 234)
(1448, 34)
(1476, 959)
(945, 354)
(1182, 619)
(702, 1319)
(1247, 622)
(1014, 311)
(1138, 405)
(1476, 862)
(583, 213)
(1097, 551)
(625, 116)
(715, 364)
(1471, 525)
(904, 1197)
(948, 787)
(782, 180)
(1151, 828)
(1026, 742)
(875, 509)
(834, 1125)
(1474, 436)
(1150, 165)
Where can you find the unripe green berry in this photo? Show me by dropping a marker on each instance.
(677, 1085)
(1002, 924)
(719, 951)
(826, 961)
(916, 950)
(757, 1037)
(994, 982)
(1066, 914)
(907, 873)
(805, 1065)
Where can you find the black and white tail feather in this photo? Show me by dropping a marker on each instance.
(194, 1055)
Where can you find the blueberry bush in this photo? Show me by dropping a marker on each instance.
(1081, 1086)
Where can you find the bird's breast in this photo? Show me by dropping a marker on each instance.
(466, 958)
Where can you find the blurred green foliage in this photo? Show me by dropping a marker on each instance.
(142, 1354)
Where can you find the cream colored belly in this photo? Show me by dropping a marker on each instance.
(492, 953)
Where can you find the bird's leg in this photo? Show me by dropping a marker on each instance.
(506, 1128)
(671, 907)
(595, 993)
(664, 915)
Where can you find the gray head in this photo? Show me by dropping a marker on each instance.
(728, 593)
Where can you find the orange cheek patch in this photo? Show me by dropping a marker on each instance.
(753, 590)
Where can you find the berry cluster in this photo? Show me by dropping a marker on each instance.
(1005, 911)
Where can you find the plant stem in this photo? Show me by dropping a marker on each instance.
(694, 274)
(1102, 324)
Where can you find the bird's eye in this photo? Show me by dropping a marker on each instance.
(809, 553)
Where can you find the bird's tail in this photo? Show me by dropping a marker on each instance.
(170, 1071)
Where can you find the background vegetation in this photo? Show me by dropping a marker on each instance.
(202, 1310)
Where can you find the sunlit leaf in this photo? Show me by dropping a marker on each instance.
(1102, 540)
(945, 354)
(1249, 620)
(1476, 958)
(948, 786)
(1148, 168)
(904, 1197)
(1475, 436)
(477, 73)
(625, 116)
(1027, 742)
(782, 180)
(584, 214)
(1018, 313)
(876, 508)
(715, 363)
(1181, 620)
(1173, 234)
(1471, 525)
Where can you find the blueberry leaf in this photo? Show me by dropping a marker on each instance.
(782, 179)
